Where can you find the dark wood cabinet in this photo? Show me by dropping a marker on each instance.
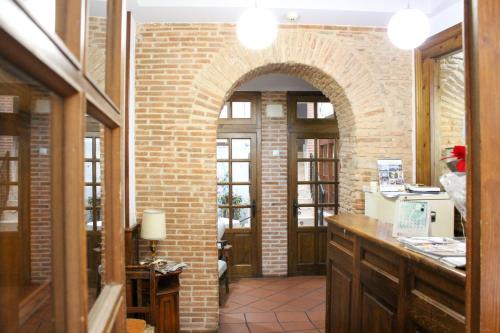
(375, 285)
(153, 297)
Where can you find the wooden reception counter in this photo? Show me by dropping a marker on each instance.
(375, 284)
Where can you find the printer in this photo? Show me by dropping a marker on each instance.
(441, 206)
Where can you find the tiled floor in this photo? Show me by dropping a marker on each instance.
(295, 304)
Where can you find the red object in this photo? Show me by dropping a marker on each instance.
(459, 153)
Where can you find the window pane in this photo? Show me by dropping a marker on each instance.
(13, 171)
(223, 112)
(326, 193)
(97, 148)
(222, 172)
(241, 110)
(222, 149)
(305, 110)
(241, 172)
(241, 195)
(305, 194)
(88, 196)
(88, 172)
(241, 149)
(304, 171)
(98, 172)
(323, 213)
(96, 42)
(223, 194)
(7, 105)
(223, 216)
(8, 220)
(95, 220)
(305, 217)
(305, 148)
(26, 258)
(88, 147)
(325, 110)
(9, 145)
(242, 218)
(326, 171)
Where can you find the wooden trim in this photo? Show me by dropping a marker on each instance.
(105, 311)
(72, 205)
(316, 125)
(70, 25)
(58, 225)
(443, 43)
(483, 211)
(46, 58)
(115, 52)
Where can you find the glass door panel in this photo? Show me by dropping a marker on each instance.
(314, 188)
(236, 198)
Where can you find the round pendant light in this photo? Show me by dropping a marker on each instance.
(408, 28)
(257, 28)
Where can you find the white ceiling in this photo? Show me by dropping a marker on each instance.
(336, 12)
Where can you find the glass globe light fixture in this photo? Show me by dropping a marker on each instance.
(257, 28)
(408, 28)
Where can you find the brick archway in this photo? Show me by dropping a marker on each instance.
(184, 74)
(329, 66)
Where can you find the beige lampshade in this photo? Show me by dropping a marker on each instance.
(153, 225)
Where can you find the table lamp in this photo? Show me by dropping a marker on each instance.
(153, 228)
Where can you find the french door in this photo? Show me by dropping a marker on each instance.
(313, 196)
(237, 176)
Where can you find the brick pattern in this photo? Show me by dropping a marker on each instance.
(274, 187)
(450, 107)
(40, 219)
(184, 74)
(96, 50)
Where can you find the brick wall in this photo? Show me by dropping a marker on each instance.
(274, 187)
(41, 237)
(450, 108)
(184, 74)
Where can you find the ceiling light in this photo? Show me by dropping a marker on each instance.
(408, 28)
(257, 28)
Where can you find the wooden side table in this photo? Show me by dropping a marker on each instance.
(154, 297)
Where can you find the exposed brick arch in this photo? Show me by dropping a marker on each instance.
(331, 67)
(186, 71)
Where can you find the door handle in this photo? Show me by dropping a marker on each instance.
(295, 208)
(254, 208)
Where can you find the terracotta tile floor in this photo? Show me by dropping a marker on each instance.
(263, 305)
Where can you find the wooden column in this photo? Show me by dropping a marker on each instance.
(482, 44)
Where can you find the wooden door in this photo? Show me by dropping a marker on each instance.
(313, 196)
(237, 176)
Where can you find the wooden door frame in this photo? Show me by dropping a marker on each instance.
(252, 126)
(56, 61)
(438, 45)
(304, 127)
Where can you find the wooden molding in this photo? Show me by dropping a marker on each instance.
(445, 42)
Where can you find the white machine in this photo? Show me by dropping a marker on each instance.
(442, 210)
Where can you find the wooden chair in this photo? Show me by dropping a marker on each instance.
(223, 267)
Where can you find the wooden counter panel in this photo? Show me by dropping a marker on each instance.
(375, 284)
(342, 237)
(445, 291)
